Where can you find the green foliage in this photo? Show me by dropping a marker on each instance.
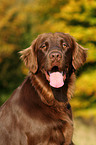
(15, 26)
(21, 22)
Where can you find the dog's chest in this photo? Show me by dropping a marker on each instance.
(42, 127)
(44, 133)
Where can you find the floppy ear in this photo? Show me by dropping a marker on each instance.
(29, 57)
(79, 56)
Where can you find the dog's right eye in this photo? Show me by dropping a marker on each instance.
(43, 46)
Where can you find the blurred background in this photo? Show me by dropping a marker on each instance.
(20, 23)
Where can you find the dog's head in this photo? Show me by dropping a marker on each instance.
(54, 54)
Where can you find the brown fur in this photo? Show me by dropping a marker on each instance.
(36, 113)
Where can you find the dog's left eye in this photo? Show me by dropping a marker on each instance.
(64, 45)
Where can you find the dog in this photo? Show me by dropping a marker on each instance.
(39, 112)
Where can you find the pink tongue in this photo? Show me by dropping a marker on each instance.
(56, 80)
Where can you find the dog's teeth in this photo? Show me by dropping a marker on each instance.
(62, 72)
(49, 73)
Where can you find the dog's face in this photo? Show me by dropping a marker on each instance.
(54, 55)
(52, 52)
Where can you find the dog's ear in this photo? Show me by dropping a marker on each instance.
(29, 57)
(79, 55)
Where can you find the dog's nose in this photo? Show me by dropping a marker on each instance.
(55, 56)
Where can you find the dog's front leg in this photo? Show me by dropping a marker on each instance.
(68, 133)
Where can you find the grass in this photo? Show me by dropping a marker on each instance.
(84, 134)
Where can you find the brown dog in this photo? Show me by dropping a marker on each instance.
(38, 112)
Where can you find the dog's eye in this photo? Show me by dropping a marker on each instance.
(43, 46)
(64, 45)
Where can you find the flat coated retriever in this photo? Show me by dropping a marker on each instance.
(38, 112)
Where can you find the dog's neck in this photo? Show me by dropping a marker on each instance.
(50, 95)
(42, 87)
(60, 94)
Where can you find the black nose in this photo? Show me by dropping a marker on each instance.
(55, 56)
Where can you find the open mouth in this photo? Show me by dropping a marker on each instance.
(55, 77)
